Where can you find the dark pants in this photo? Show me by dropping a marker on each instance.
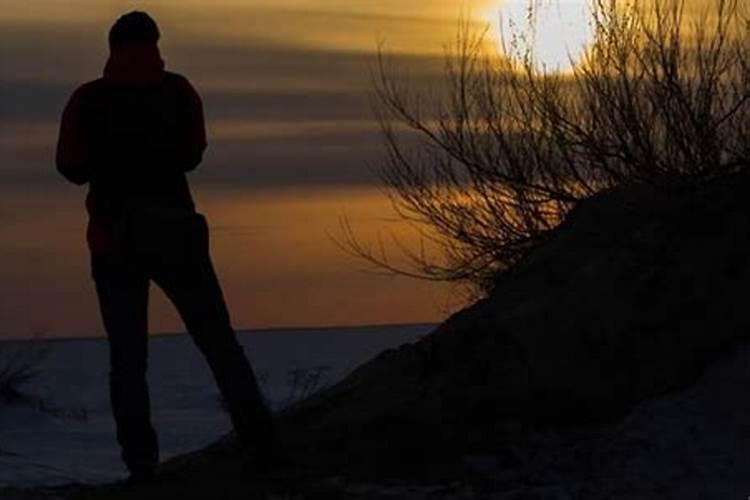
(176, 258)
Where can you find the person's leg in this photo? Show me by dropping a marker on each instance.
(189, 280)
(122, 288)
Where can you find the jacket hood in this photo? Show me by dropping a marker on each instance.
(134, 64)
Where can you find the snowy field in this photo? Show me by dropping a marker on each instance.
(73, 440)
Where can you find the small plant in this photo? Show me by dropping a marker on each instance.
(20, 363)
(304, 381)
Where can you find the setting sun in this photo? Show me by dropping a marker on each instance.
(554, 32)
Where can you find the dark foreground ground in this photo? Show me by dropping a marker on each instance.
(688, 445)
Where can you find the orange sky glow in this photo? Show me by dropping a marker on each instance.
(293, 142)
(286, 90)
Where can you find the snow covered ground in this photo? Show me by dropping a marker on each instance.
(74, 440)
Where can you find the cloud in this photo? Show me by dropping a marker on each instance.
(280, 112)
(304, 117)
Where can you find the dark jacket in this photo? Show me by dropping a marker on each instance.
(132, 135)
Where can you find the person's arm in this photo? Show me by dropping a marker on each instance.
(194, 144)
(72, 151)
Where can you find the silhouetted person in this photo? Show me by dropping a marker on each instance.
(132, 135)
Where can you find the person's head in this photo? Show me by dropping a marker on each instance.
(133, 29)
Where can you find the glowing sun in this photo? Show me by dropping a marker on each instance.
(556, 32)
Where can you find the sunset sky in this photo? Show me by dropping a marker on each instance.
(292, 143)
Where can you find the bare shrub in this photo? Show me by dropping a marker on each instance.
(488, 166)
(304, 381)
(20, 364)
(301, 382)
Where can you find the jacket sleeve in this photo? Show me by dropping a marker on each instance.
(194, 144)
(72, 156)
